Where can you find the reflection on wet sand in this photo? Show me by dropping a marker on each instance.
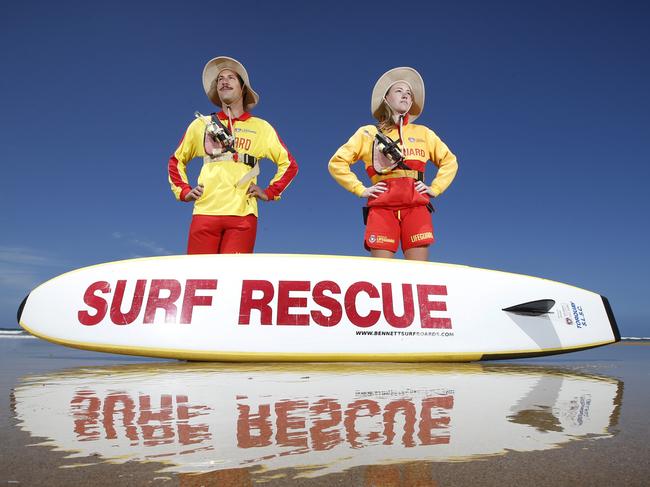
(228, 424)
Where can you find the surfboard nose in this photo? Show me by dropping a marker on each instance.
(19, 314)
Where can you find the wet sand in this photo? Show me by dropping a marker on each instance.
(579, 419)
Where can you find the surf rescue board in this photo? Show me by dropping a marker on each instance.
(270, 307)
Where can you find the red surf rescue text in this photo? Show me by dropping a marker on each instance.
(283, 303)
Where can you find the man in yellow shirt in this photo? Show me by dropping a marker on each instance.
(231, 143)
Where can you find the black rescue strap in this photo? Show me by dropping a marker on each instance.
(365, 210)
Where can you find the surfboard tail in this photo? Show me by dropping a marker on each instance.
(19, 314)
(612, 320)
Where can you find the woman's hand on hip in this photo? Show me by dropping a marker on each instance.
(422, 188)
(375, 190)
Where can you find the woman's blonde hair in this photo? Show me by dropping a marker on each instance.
(386, 122)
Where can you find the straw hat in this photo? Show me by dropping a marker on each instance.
(388, 79)
(211, 72)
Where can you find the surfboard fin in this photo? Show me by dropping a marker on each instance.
(532, 308)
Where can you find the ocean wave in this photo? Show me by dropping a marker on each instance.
(14, 333)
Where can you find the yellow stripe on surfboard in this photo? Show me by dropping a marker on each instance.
(222, 356)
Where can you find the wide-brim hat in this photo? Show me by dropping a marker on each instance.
(211, 72)
(388, 79)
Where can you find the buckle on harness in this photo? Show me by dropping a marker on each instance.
(247, 159)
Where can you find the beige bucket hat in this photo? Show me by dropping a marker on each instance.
(211, 72)
(388, 79)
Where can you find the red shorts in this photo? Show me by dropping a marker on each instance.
(387, 228)
(210, 234)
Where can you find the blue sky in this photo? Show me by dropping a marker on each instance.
(546, 105)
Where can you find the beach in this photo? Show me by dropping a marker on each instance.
(74, 417)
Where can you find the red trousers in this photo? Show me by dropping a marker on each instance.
(211, 234)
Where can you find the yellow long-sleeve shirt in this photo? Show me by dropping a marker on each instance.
(419, 145)
(221, 195)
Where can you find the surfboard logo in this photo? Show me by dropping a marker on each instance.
(578, 315)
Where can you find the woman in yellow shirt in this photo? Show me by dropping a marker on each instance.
(395, 152)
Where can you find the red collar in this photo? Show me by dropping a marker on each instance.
(404, 123)
(244, 116)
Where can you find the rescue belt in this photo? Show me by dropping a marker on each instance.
(405, 172)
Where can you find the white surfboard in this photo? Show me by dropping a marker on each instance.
(257, 307)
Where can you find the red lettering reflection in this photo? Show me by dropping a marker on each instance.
(291, 427)
(144, 419)
(391, 409)
(323, 437)
(326, 424)
(85, 410)
(352, 412)
(247, 423)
